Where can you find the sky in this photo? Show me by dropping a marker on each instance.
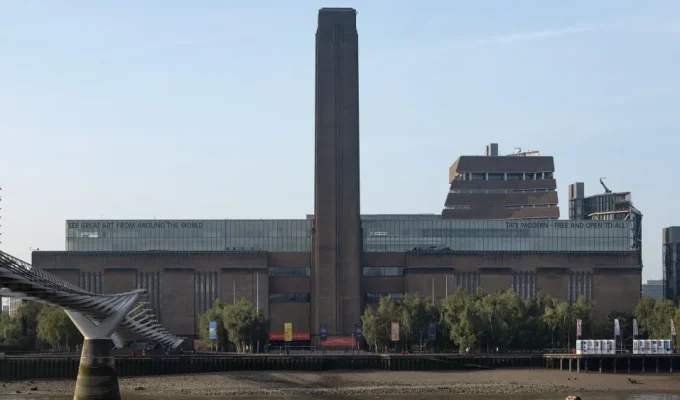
(205, 110)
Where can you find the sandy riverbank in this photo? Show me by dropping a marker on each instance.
(523, 381)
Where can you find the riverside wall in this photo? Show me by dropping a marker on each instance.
(45, 367)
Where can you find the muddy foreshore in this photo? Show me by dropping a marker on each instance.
(511, 381)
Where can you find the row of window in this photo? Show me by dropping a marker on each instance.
(305, 271)
(91, 282)
(522, 206)
(458, 207)
(153, 283)
(280, 298)
(374, 298)
(524, 284)
(499, 191)
(580, 285)
(504, 176)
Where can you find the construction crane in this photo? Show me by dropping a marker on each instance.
(606, 189)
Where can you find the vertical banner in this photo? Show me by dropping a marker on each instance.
(672, 328)
(358, 333)
(212, 330)
(432, 332)
(323, 331)
(288, 332)
(394, 335)
(635, 327)
(578, 328)
(617, 327)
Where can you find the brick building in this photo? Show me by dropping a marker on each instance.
(325, 268)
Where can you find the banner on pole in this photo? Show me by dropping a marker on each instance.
(358, 332)
(617, 327)
(323, 331)
(288, 332)
(672, 327)
(635, 327)
(432, 332)
(395, 332)
(578, 327)
(212, 330)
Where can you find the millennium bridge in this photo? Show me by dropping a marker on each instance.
(104, 320)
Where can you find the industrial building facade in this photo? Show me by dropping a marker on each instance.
(326, 268)
(186, 265)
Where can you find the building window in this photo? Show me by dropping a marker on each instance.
(520, 206)
(496, 176)
(515, 176)
(529, 176)
(374, 298)
(280, 298)
(458, 207)
(305, 271)
(469, 281)
(383, 271)
(547, 175)
(580, 285)
(524, 284)
(478, 176)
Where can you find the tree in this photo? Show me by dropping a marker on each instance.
(644, 311)
(244, 324)
(214, 314)
(551, 319)
(376, 321)
(461, 316)
(660, 321)
(56, 328)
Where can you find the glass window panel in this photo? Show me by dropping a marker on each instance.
(290, 298)
(383, 271)
(304, 271)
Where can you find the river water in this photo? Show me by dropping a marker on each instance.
(594, 396)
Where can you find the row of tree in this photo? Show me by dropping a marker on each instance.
(486, 321)
(240, 324)
(37, 327)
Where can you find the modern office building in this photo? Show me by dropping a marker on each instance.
(670, 239)
(325, 268)
(653, 288)
(517, 186)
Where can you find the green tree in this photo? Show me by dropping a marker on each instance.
(245, 324)
(461, 316)
(660, 321)
(56, 328)
(584, 311)
(377, 321)
(214, 314)
(644, 311)
(552, 320)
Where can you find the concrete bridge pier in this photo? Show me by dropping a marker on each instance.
(97, 378)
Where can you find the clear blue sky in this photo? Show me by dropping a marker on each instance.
(175, 109)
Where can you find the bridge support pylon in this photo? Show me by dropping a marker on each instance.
(97, 378)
